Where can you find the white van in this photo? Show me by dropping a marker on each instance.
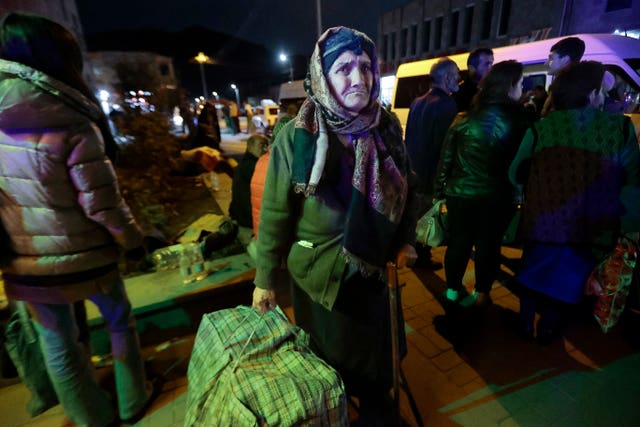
(621, 56)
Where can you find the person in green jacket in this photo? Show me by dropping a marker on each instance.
(338, 205)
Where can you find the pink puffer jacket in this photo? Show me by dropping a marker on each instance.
(59, 197)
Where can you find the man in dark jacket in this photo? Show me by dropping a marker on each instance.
(429, 118)
(479, 62)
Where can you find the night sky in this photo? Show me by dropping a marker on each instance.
(280, 25)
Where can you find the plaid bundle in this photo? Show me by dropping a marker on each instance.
(249, 369)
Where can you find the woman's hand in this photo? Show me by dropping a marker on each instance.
(407, 256)
(264, 299)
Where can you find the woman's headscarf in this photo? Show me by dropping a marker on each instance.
(379, 187)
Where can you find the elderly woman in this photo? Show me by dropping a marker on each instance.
(580, 166)
(338, 205)
(472, 175)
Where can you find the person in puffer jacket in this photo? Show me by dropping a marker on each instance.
(66, 221)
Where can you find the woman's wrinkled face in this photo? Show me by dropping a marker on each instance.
(350, 79)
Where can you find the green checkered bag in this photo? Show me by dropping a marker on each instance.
(248, 369)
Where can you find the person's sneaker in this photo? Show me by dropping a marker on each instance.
(452, 295)
(469, 299)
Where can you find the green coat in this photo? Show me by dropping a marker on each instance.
(308, 232)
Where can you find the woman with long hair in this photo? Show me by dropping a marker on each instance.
(472, 176)
(65, 218)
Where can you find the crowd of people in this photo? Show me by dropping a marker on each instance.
(335, 198)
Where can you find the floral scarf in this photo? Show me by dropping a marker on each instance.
(379, 186)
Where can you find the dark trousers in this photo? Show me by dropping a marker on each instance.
(353, 337)
(551, 310)
(480, 223)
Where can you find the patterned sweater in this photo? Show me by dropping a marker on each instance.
(583, 181)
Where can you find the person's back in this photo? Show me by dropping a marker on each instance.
(429, 118)
(64, 216)
(579, 165)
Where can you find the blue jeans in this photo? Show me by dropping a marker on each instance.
(70, 368)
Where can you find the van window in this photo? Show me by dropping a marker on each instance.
(409, 88)
(625, 93)
(634, 63)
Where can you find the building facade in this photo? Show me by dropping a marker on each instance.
(426, 28)
(157, 71)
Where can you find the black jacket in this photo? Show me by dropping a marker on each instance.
(478, 150)
(429, 118)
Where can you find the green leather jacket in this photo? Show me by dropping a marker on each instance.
(478, 150)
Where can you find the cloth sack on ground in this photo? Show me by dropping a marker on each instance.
(610, 282)
(248, 369)
(433, 228)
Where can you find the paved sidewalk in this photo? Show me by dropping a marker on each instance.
(482, 375)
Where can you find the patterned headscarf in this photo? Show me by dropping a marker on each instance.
(379, 186)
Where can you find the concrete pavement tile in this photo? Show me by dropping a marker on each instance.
(418, 323)
(161, 417)
(509, 422)
(15, 397)
(462, 374)
(447, 360)
(554, 404)
(409, 313)
(512, 402)
(437, 339)
(529, 417)
(499, 291)
(570, 419)
(486, 414)
(582, 358)
(424, 345)
(508, 301)
(179, 409)
(474, 386)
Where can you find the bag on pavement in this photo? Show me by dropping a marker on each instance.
(250, 369)
(433, 228)
(610, 282)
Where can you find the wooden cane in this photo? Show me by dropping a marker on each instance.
(392, 273)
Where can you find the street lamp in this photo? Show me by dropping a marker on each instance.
(235, 89)
(284, 58)
(215, 94)
(202, 59)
